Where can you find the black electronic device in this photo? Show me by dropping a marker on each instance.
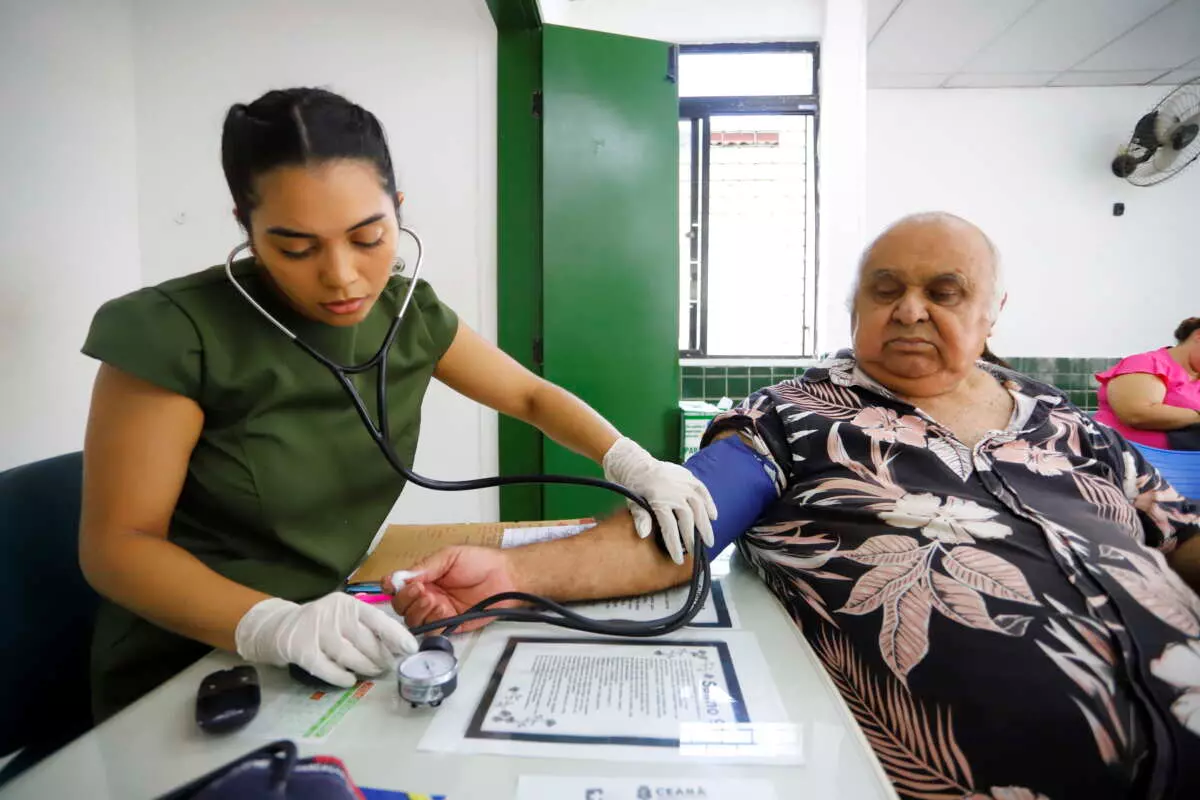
(227, 700)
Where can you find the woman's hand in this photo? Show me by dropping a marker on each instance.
(451, 581)
(477, 369)
(681, 503)
(335, 637)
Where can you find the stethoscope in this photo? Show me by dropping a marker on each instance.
(429, 676)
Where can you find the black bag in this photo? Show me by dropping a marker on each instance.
(1184, 438)
(273, 772)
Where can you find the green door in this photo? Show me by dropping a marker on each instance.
(610, 256)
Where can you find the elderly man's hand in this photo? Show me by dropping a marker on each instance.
(451, 581)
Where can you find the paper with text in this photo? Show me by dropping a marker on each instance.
(554, 689)
(519, 537)
(698, 695)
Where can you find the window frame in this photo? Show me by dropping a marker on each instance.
(699, 111)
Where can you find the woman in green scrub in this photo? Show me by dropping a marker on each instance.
(229, 487)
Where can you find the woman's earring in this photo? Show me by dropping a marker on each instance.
(398, 266)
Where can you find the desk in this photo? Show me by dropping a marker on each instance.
(154, 746)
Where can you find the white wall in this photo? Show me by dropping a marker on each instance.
(1030, 166)
(110, 161)
(841, 150)
(428, 70)
(68, 212)
(692, 20)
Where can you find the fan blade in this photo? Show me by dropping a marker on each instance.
(1164, 123)
(1164, 159)
(1185, 133)
(1180, 106)
(1145, 132)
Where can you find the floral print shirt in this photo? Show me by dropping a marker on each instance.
(1000, 619)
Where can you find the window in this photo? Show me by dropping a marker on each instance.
(747, 148)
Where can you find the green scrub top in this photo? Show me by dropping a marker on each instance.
(285, 489)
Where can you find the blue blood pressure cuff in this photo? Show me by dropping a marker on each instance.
(741, 483)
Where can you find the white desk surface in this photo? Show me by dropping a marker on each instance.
(154, 745)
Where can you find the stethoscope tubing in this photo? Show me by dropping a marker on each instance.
(559, 615)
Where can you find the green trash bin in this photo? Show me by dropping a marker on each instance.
(694, 419)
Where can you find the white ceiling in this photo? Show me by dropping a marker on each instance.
(985, 43)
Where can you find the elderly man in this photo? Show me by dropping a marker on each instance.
(979, 567)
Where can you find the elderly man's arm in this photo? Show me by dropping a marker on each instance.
(1170, 521)
(608, 561)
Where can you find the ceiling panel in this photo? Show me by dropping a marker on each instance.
(1187, 72)
(968, 80)
(902, 80)
(878, 12)
(1057, 34)
(1119, 78)
(940, 36)
(1164, 41)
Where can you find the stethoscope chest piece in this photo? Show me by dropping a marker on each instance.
(430, 675)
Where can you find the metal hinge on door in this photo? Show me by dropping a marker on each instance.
(537, 104)
(538, 355)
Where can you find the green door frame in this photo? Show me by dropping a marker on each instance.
(510, 15)
(648, 414)
(519, 232)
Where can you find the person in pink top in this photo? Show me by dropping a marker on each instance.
(1151, 395)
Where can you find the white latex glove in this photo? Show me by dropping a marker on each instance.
(681, 503)
(334, 637)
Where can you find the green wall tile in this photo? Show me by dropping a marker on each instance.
(1073, 376)
(739, 387)
(714, 387)
(782, 373)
